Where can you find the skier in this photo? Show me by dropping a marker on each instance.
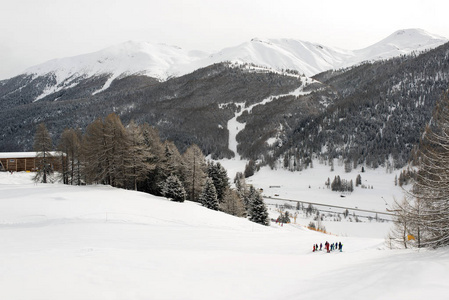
(321, 246)
(313, 248)
(340, 246)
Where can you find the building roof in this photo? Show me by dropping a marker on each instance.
(24, 154)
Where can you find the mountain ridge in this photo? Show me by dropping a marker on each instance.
(162, 61)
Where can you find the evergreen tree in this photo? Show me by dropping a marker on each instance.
(257, 210)
(348, 166)
(43, 144)
(208, 196)
(173, 189)
(219, 176)
(248, 195)
(250, 168)
(239, 181)
(155, 154)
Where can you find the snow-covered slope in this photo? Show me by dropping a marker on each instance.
(128, 58)
(305, 57)
(162, 61)
(399, 43)
(97, 242)
(311, 58)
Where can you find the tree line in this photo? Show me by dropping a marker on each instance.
(134, 157)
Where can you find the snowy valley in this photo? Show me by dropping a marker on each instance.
(299, 113)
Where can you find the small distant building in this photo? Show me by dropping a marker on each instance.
(27, 161)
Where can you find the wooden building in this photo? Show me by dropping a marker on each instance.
(27, 161)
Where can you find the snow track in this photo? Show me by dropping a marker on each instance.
(235, 127)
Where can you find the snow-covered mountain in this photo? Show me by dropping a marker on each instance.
(304, 57)
(163, 61)
(399, 43)
(275, 107)
(129, 58)
(311, 58)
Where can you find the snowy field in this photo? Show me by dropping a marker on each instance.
(309, 186)
(98, 242)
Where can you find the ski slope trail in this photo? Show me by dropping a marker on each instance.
(98, 242)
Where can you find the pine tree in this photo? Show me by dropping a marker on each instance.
(43, 144)
(348, 166)
(173, 189)
(219, 177)
(250, 168)
(257, 210)
(155, 157)
(208, 197)
(168, 162)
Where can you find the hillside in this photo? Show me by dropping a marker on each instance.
(98, 242)
(185, 109)
(370, 113)
(375, 113)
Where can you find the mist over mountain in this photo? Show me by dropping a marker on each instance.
(371, 108)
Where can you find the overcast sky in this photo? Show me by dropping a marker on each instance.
(34, 31)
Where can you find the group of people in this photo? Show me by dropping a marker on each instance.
(329, 247)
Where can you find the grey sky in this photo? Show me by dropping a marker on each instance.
(34, 31)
